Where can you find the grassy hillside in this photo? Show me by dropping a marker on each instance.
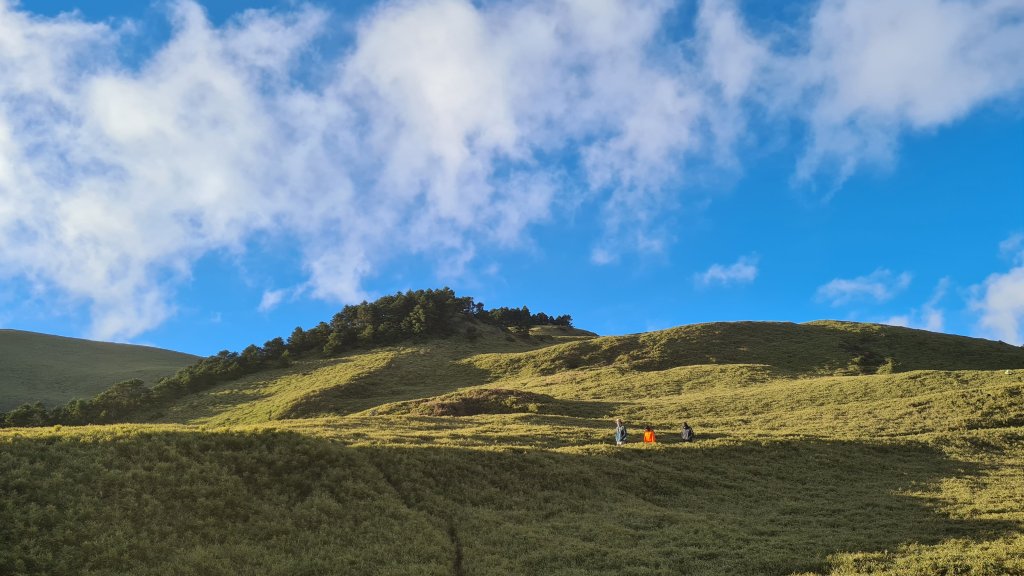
(819, 348)
(824, 448)
(54, 369)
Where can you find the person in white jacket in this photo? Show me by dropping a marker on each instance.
(620, 432)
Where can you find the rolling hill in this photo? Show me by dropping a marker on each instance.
(822, 448)
(54, 369)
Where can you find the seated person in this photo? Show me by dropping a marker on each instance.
(687, 433)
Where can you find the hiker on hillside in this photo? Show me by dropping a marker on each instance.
(620, 432)
(687, 433)
(649, 435)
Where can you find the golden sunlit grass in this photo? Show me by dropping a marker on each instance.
(803, 464)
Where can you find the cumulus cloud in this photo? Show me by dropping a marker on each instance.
(876, 68)
(999, 300)
(880, 286)
(117, 179)
(1001, 305)
(445, 128)
(424, 138)
(742, 271)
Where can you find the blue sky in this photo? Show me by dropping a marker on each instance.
(201, 176)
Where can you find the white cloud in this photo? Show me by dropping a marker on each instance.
(901, 320)
(124, 177)
(116, 178)
(877, 68)
(742, 271)
(1000, 299)
(1013, 248)
(1001, 306)
(271, 299)
(880, 286)
(933, 320)
(929, 316)
(432, 133)
(601, 256)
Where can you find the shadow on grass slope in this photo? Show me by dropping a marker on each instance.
(411, 373)
(160, 502)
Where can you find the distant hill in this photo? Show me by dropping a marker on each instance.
(53, 369)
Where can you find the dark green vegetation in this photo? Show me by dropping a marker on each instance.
(53, 369)
(822, 448)
(387, 320)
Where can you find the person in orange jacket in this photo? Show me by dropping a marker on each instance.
(649, 435)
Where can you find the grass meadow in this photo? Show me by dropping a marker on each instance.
(54, 370)
(855, 450)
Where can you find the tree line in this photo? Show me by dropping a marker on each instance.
(387, 320)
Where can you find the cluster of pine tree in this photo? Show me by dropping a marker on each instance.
(111, 405)
(387, 320)
(520, 317)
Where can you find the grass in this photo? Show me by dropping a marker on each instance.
(54, 370)
(819, 348)
(245, 500)
(494, 456)
(560, 333)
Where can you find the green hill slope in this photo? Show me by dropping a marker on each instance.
(54, 369)
(659, 377)
(823, 448)
(819, 348)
